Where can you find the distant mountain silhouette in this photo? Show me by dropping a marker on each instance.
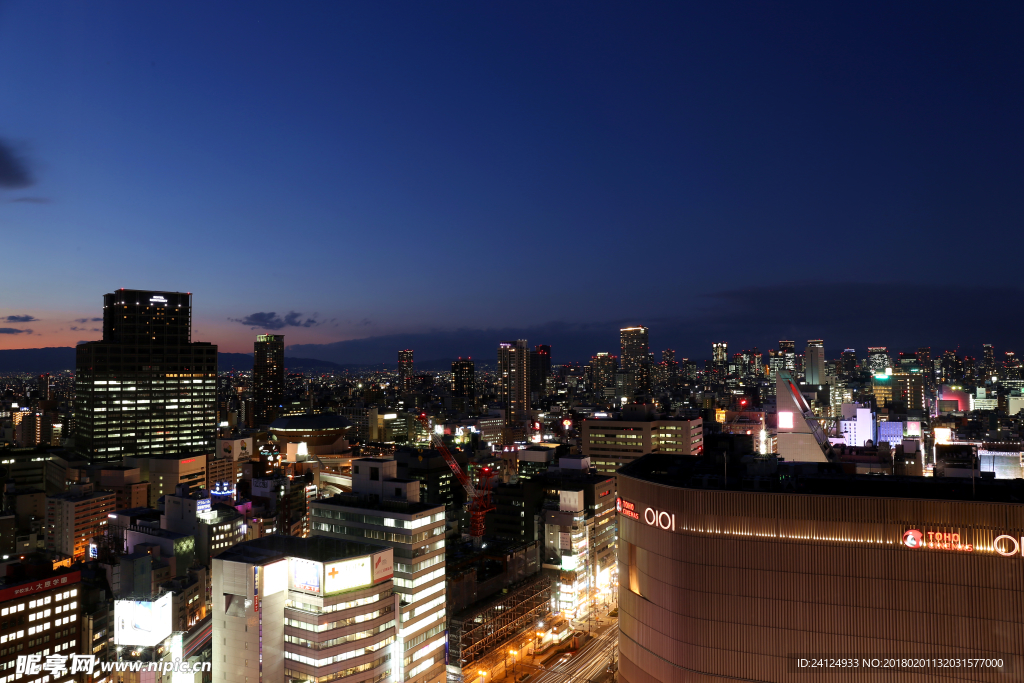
(59, 358)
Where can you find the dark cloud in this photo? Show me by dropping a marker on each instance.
(20, 319)
(902, 316)
(14, 171)
(272, 321)
(11, 330)
(88, 320)
(30, 200)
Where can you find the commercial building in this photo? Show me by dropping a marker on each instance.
(268, 377)
(74, 518)
(146, 388)
(386, 510)
(579, 538)
(165, 473)
(514, 388)
(304, 609)
(40, 615)
(127, 486)
(878, 359)
(796, 561)
(611, 442)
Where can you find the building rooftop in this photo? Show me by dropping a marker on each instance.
(363, 502)
(324, 422)
(812, 478)
(315, 548)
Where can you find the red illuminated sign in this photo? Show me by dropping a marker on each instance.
(627, 508)
(937, 540)
(39, 585)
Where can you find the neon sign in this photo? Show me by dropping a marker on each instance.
(663, 520)
(938, 540)
(627, 508)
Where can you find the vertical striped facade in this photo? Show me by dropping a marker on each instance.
(737, 585)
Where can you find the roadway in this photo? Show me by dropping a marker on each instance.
(589, 663)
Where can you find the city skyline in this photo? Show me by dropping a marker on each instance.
(712, 127)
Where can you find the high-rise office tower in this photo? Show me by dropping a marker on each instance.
(924, 358)
(848, 363)
(720, 352)
(636, 356)
(634, 347)
(988, 361)
(146, 388)
(405, 370)
(514, 388)
(464, 385)
(268, 376)
(668, 359)
(603, 367)
(787, 350)
(540, 370)
(878, 359)
(814, 361)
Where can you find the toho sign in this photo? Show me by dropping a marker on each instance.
(937, 540)
(652, 517)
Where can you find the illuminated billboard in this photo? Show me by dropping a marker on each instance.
(305, 575)
(346, 575)
(275, 578)
(383, 566)
(142, 623)
(785, 420)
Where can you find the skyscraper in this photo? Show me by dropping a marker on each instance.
(268, 376)
(814, 361)
(514, 388)
(878, 359)
(636, 356)
(720, 352)
(405, 370)
(787, 350)
(988, 361)
(634, 347)
(540, 370)
(464, 385)
(603, 367)
(848, 363)
(146, 388)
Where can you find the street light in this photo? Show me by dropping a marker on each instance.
(483, 675)
(513, 653)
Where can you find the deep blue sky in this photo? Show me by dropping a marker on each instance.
(390, 169)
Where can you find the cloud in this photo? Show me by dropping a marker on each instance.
(88, 320)
(900, 315)
(11, 330)
(14, 171)
(21, 319)
(272, 321)
(30, 200)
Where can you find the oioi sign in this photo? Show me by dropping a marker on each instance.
(661, 519)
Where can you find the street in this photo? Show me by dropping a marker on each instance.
(589, 663)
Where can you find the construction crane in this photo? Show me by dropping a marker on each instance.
(479, 498)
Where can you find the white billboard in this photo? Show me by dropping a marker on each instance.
(275, 578)
(383, 565)
(346, 575)
(305, 575)
(142, 623)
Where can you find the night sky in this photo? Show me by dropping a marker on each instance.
(445, 175)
